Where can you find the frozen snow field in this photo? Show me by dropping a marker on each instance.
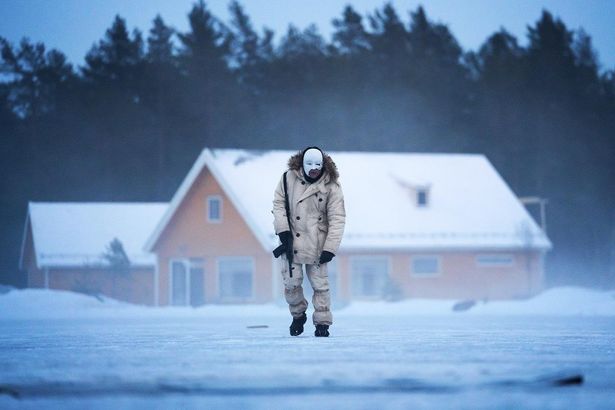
(61, 350)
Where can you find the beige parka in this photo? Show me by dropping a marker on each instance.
(317, 210)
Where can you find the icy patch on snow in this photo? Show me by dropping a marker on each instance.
(58, 304)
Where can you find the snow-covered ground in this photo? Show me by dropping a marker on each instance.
(65, 350)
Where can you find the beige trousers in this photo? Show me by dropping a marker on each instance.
(293, 291)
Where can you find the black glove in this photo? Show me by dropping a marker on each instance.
(287, 241)
(326, 257)
(286, 238)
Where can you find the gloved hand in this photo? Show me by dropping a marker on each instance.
(287, 241)
(326, 257)
(286, 238)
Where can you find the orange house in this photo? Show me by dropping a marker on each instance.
(418, 225)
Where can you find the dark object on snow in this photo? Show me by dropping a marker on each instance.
(326, 256)
(9, 391)
(257, 326)
(555, 380)
(573, 380)
(322, 331)
(296, 328)
(463, 305)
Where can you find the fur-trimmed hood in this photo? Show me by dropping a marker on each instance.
(296, 163)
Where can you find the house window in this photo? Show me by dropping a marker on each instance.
(179, 283)
(422, 196)
(425, 265)
(235, 277)
(214, 208)
(369, 276)
(494, 260)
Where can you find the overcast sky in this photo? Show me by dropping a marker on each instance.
(73, 26)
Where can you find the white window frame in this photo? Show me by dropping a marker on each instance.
(250, 298)
(211, 198)
(483, 264)
(426, 275)
(354, 259)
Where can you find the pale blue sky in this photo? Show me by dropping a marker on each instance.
(74, 25)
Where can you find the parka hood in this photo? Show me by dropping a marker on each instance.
(295, 162)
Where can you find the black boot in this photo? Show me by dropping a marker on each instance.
(296, 328)
(322, 331)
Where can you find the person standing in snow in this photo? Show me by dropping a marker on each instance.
(310, 233)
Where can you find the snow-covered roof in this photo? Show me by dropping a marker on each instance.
(78, 234)
(470, 205)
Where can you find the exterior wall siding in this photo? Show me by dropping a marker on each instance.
(135, 286)
(459, 276)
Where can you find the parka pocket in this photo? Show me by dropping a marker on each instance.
(322, 226)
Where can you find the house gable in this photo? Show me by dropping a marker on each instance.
(206, 160)
(188, 232)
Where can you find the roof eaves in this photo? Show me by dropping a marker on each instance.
(24, 239)
(503, 182)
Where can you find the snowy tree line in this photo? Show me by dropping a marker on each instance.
(128, 123)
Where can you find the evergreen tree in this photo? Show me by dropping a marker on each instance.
(7, 116)
(116, 256)
(297, 78)
(115, 61)
(250, 53)
(159, 43)
(501, 104)
(437, 73)
(161, 98)
(389, 39)
(209, 90)
(37, 77)
(350, 37)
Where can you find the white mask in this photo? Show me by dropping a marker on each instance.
(312, 163)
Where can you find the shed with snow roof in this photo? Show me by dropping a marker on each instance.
(68, 246)
(417, 225)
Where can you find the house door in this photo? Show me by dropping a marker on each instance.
(187, 282)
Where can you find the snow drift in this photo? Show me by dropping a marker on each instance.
(58, 304)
